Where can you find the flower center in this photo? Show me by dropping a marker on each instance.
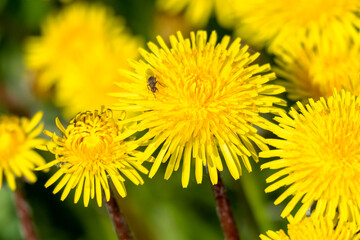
(93, 144)
(91, 137)
(199, 88)
(343, 146)
(336, 143)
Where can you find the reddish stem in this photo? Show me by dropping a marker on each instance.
(11, 103)
(120, 225)
(24, 214)
(224, 211)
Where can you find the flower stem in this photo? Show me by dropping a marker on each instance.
(24, 214)
(11, 103)
(224, 211)
(121, 228)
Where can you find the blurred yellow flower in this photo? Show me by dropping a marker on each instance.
(91, 150)
(79, 52)
(198, 12)
(281, 22)
(319, 161)
(18, 138)
(199, 100)
(313, 71)
(315, 229)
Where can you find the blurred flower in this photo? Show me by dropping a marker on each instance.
(165, 24)
(315, 229)
(91, 149)
(17, 157)
(198, 12)
(281, 22)
(319, 158)
(66, 1)
(79, 53)
(313, 71)
(199, 99)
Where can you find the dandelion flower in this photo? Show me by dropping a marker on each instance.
(198, 12)
(92, 149)
(199, 100)
(315, 229)
(18, 138)
(281, 22)
(313, 71)
(319, 153)
(79, 52)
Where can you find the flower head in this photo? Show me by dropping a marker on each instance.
(18, 138)
(280, 22)
(198, 12)
(199, 100)
(79, 53)
(315, 229)
(92, 149)
(319, 161)
(314, 70)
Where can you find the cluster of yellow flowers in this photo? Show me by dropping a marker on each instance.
(197, 102)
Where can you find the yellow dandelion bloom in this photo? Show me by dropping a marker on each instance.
(198, 12)
(319, 161)
(278, 22)
(92, 149)
(313, 71)
(79, 52)
(199, 100)
(315, 229)
(18, 138)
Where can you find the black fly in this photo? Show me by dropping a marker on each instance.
(152, 84)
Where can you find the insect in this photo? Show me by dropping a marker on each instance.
(152, 84)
